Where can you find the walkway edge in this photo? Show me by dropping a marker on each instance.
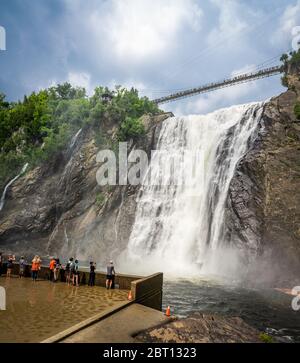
(86, 323)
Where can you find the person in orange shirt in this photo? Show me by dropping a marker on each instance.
(35, 267)
(52, 266)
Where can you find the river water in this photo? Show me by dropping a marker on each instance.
(267, 310)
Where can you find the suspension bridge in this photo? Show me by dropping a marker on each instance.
(243, 78)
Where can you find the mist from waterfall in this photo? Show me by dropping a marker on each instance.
(180, 229)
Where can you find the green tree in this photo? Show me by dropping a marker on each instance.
(297, 110)
(130, 128)
(284, 58)
(34, 129)
(66, 91)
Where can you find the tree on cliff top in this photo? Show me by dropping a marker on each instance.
(291, 59)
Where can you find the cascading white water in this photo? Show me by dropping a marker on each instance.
(63, 182)
(180, 228)
(74, 139)
(2, 201)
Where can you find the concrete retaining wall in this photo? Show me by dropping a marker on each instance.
(148, 291)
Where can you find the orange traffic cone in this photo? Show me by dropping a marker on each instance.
(168, 311)
(130, 295)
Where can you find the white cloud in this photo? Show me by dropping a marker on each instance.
(139, 30)
(134, 31)
(81, 79)
(77, 79)
(289, 19)
(230, 23)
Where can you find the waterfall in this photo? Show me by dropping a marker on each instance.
(2, 201)
(179, 227)
(70, 156)
(74, 139)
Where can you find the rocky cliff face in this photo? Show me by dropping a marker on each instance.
(264, 197)
(55, 209)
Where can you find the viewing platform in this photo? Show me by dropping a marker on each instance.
(44, 311)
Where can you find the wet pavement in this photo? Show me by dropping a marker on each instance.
(120, 327)
(36, 311)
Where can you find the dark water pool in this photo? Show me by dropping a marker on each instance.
(267, 310)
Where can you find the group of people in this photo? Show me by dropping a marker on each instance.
(69, 272)
(35, 266)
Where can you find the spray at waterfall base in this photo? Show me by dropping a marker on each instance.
(180, 221)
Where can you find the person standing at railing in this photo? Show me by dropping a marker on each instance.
(92, 274)
(56, 269)
(52, 268)
(110, 275)
(35, 267)
(75, 272)
(69, 270)
(10, 265)
(22, 265)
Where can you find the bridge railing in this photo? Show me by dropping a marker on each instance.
(266, 72)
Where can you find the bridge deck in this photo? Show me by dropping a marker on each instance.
(247, 77)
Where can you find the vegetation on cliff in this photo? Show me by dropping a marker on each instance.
(43, 123)
(297, 110)
(289, 60)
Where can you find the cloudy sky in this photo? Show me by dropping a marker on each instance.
(157, 46)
